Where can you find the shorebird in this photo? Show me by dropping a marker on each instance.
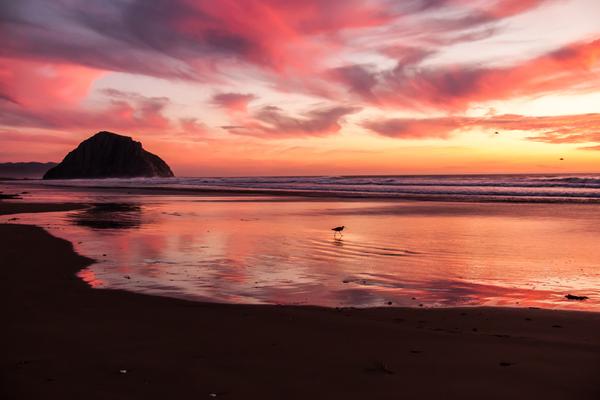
(338, 229)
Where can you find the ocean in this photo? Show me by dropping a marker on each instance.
(518, 188)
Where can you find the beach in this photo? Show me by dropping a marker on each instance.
(66, 340)
(361, 199)
(279, 249)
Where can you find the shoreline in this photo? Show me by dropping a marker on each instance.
(66, 340)
(315, 195)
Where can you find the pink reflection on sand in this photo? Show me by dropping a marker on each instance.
(249, 250)
(89, 277)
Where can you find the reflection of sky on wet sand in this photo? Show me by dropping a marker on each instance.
(435, 254)
(109, 216)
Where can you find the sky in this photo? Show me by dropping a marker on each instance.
(313, 87)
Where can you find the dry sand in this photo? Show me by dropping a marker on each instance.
(63, 340)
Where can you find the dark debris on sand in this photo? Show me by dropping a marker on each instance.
(574, 297)
(9, 196)
(505, 363)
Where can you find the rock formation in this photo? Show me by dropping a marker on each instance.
(108, 155)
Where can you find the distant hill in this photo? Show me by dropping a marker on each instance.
(30, 170)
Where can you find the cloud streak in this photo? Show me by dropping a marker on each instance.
(578, 128)
(124, 111)
(570, 69)
(233, 102)
(190, 40)
(273, 122)
(179, 38)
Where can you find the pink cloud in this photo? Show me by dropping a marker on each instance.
(192, 126)
(579, 128)
(234, 102)
(124, 111)
(360, 80)
(37, 94)
(409, 128)
(186, 39)
(39, 84)
(181, 38)
(273, 122)
(570, 69)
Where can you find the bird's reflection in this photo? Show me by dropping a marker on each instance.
(338, 242)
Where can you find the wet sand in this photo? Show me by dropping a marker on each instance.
(250, 250)
(19, 208)
(65, 340)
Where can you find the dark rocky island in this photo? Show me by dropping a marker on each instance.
(108, 155)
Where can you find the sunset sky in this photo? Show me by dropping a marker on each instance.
(285, 87)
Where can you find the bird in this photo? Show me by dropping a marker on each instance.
(337, 229)
(561, 159)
